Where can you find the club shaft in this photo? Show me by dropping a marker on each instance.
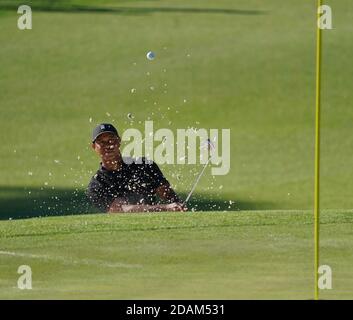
(197, 180)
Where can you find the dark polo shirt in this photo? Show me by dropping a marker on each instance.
(136, 183)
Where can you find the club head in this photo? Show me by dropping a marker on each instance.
(209, 145)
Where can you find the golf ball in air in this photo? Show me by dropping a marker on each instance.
(150, 55)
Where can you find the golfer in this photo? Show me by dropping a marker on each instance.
(123, 185)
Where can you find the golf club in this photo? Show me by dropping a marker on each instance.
(210, 147)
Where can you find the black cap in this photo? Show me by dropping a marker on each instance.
(102, 128)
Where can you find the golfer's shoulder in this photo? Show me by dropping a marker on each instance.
(96, 180)
(93, 182)
(140, 163)
(148, 169)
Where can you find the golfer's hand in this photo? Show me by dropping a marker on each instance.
(176, 206)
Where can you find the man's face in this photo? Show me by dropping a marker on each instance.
(107, 146)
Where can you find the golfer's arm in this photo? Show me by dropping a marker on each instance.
(165, 192)
(118, 207)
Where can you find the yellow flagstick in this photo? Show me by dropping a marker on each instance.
(317, 152)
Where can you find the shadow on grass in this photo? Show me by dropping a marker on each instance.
(27, 202)
(56, 6)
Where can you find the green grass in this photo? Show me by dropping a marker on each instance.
(233, 255)
(252, 71)
(247, 65)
